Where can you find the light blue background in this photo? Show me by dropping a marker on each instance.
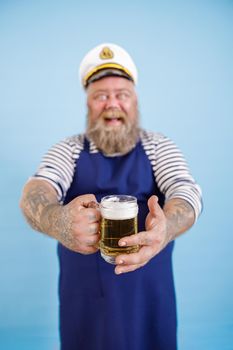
(184, 54)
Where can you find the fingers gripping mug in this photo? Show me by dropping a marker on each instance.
(119, 219)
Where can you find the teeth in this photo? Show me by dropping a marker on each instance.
(112, 118)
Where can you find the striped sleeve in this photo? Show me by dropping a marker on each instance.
(172, 173)
(58, 164)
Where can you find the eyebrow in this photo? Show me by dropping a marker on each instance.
(115, 90)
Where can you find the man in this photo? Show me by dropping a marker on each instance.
(100, 309)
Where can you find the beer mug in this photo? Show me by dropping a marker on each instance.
(119, 219)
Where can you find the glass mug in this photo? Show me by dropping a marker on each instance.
(119, 219)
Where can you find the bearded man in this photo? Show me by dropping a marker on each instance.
(129, 306)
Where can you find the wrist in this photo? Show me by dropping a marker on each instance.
(49, 219)
(169, 229)
(179, 215)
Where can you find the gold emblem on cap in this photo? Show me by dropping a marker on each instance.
(106, 53)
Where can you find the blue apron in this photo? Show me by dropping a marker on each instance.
(98, 309)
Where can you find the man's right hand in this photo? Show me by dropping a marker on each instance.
(76, 224)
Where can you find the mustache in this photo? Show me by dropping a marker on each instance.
(113, 114)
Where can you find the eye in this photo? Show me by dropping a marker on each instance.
(123, 96)
(100, 97)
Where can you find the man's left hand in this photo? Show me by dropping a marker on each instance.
(151, 241)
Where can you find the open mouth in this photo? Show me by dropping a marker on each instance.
(113, 120)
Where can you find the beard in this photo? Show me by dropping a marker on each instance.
(113, 139)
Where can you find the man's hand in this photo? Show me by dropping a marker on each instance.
(162, 226)
(151, 241)
(75, 225)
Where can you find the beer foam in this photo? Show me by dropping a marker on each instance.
(114, 209)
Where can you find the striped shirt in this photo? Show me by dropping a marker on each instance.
(170, 169)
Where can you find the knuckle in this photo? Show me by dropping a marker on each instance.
(148, 240)
(134, 259)
(143, 239)
(85, 201)
(93, 228)
(131, 240)
(151, 237)
(93, 204)
(95, 214)
(92, 240)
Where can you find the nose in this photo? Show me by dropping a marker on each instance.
(112, 102)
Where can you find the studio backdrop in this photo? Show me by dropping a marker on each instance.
(184, 55)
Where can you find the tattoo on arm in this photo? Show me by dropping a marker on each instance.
(37, 195)
(57, 221)
(43, 212)
(180, 215)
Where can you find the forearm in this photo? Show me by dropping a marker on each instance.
(75, 225)
(38, 202)
(180, 217)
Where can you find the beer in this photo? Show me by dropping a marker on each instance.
(119, 219)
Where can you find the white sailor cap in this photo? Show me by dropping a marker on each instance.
(107, 60)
